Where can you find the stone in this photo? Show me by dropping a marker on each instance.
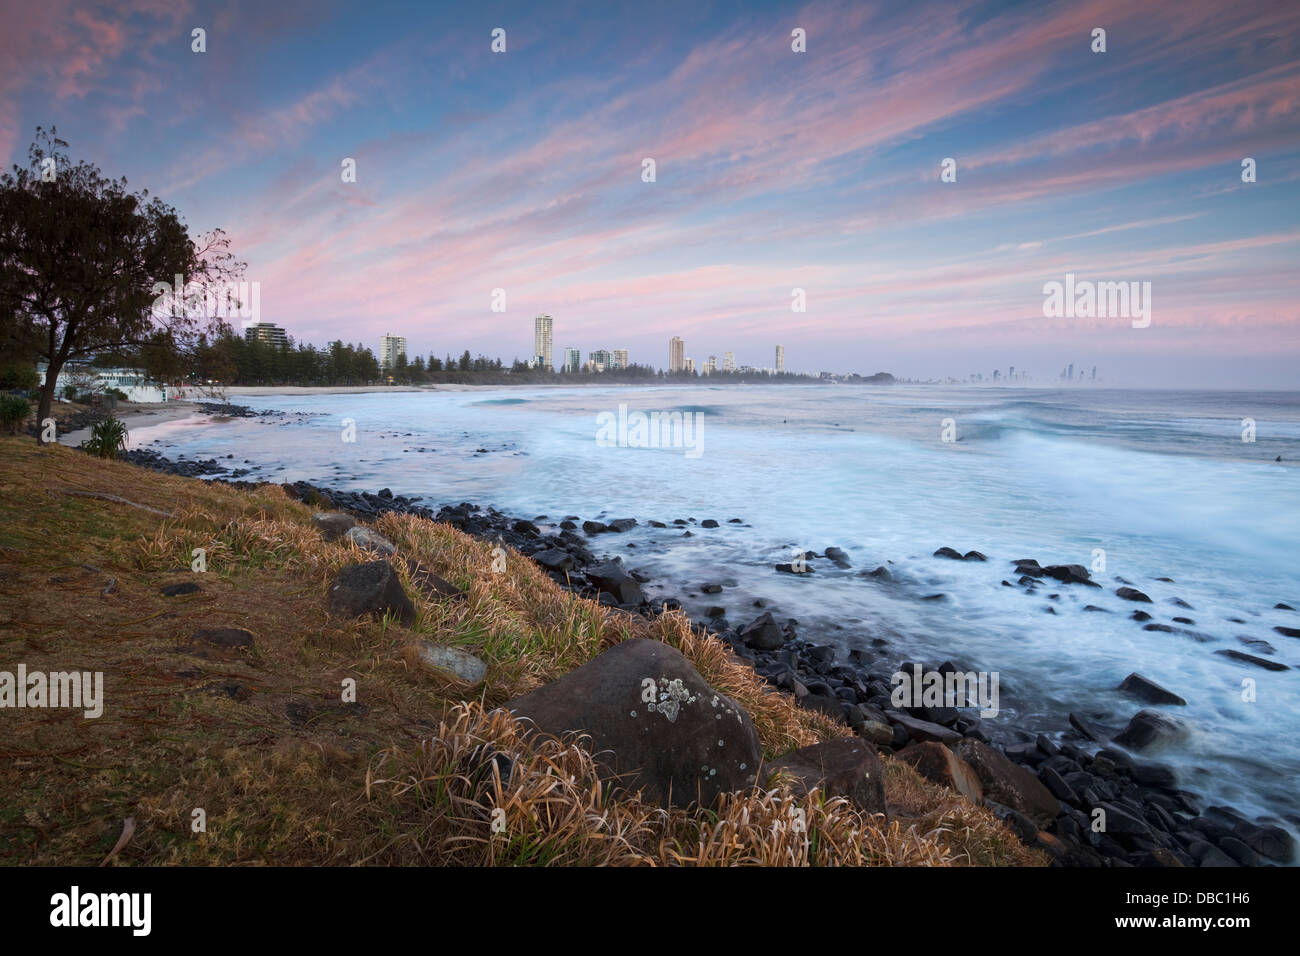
(367, 539)
(451, 661)
(372, 588)
(1140, 687)
(1133, 594)
(1150, 730)
(917, 729)
(184, 587)
(224, 637)
(949, 553)
(1252, 659)
(434, 587)
(332, 526)
(843, 767)
(763, 633)
(940, 765)
(594, 527)
(687, 743)
(1009, 784)
(554, 559)
(612, 579)
(619, 525)
(838, 558)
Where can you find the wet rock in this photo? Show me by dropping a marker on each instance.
(1135, 685)
(373, 588)
(594, 527)
(619, 525)
(949, 553)
(1252, 659)
(688, 743)
(708, 523)
(1133, 594)
(838, 558)
(1070, 574)
(843, 767)
(1150, 730)
(1141, 616)
(974, 556)
(1288, 631)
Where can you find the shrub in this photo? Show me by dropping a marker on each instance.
(118, 394)
(16, 374)
(107, 438)
(14, 410)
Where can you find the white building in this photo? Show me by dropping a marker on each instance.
(620, 358)
(728, 361)
(780, 358)
(572, 360)
(542, 328)
(390, 347)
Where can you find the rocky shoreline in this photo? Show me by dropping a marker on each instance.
(1084, 799)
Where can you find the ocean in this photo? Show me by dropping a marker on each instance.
(1135, 485)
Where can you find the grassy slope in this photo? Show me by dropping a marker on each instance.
(286, 772)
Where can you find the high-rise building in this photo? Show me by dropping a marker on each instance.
(690, 365)
(572, 360)
(728, 361)
(711, 365)
(620, 359)
(780, 358)
(600, 360)
(266, 332)
(676, 354)
(1069, 374)
(542, 342)
(390, 347)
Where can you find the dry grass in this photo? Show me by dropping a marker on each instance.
(287, 773)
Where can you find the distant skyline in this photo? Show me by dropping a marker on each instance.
(774, 171)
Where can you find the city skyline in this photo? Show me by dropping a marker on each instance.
(522, 171)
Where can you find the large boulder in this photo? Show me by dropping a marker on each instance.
(843, 767)
(1008, 784)
(940, 765)
(655, 724)
(371, 588)
(1148, 690)
(614, 580)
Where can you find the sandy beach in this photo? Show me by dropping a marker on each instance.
(139, 415)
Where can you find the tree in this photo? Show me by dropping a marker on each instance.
(79, 260)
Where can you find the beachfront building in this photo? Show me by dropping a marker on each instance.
(390, 347)
(542, 328)
(711, 365)
(268, 333)
(676, 354)
(780, 359)
(689, 366)
(619, 359)
(572, 361)
(728, 361)
(600, 360)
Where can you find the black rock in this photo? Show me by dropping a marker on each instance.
(1141, 616)
(763, 633)
(949, 553)
(184, 587)
(708, 523)
(1252, 659)
(1149, 730)
(1288, 631)
(1133, 594)
(1147, 690)
(973, 556)
(619, 525)
(594, 527)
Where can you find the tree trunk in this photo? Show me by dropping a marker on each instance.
(47, 398)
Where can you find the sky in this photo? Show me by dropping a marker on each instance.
(774, 170)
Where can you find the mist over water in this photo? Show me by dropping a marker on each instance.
(1161, 481)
